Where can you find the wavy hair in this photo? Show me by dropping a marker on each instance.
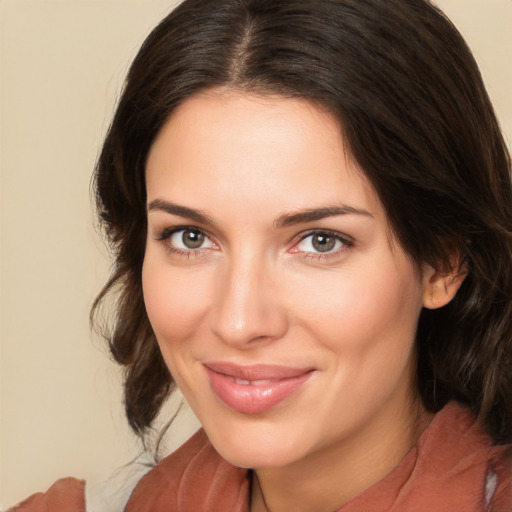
(416, 117)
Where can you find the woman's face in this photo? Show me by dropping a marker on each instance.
(284, 309)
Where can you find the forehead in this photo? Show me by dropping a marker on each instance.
(280, 152)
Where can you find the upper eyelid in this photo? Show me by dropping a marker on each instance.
(167, 232)
(342, 236)
(300, 235)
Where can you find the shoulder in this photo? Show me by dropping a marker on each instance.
(63, 496)
(499, 480)
(453, 466)
(482, 456)
(194, 477)
(463, 459)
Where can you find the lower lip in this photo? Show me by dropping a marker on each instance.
(251, 399)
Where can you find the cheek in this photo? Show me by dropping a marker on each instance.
(362, 309)
(366, 320)
(175, 302)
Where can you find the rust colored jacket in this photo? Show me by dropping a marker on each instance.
(452, 468)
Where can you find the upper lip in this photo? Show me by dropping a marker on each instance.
(256, 371)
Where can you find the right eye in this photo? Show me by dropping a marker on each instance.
(186, 240)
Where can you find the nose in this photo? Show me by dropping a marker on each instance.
(247, 309)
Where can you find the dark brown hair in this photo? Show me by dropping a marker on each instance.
(417, 119)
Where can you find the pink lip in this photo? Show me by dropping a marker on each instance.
(279, 383)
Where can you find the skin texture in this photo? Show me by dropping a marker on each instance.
(257, 291)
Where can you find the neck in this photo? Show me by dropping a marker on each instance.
(327, 479)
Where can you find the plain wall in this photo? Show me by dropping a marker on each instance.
(61, 67)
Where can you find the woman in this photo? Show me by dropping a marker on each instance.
(310, 205)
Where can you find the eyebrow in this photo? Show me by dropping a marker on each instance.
(313, 214)
(180, 211)
(285, 220)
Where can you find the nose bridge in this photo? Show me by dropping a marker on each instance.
(247, 307)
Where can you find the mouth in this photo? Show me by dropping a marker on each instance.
(255, 389)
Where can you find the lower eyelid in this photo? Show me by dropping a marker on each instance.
(187, 254)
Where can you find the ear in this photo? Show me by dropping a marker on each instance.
(439, 288)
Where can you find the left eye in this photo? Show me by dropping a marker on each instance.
(320, 243)
(189, 240)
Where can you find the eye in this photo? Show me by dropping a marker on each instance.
(321, 242)
(186, 239)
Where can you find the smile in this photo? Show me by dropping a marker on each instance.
(243, 382)
(254, 389)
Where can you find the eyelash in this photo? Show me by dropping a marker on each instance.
(167, 234)
(346, 243)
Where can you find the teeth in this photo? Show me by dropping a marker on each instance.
(244, 382)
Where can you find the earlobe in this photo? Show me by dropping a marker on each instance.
(441, 287)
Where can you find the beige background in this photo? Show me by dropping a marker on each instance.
(61, 66)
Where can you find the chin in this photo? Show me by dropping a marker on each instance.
(255, 446)
(257, 457)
